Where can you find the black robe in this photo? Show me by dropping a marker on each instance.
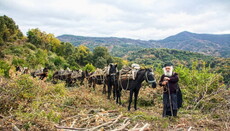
(175, 93)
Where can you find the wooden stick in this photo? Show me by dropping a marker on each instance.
(135, 126)
(144, 127)
(126, 120)
(189, 129)
(68, 118)
(1, 116)
(69, 128)
(73, 123)
(15, 128)
(122, 127)
(107, 123)
(117, 119)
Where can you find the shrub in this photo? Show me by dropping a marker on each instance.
(30, 46)
(19, 62)
(200, 87)
(4, 68)
(89, 68)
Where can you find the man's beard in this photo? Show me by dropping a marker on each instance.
(168, 73)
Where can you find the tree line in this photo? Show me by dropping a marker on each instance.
(40, 49)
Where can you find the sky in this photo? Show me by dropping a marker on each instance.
(137, 19)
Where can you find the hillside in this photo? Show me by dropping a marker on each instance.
(157, 57)
(208, 44)
(43, 106)
(117, 46)
(214, 45)
(154, 56)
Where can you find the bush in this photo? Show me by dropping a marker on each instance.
(200, 87)
(34, 103)
(19, 62)
(30, 46)
(4, 68)
(89, 68)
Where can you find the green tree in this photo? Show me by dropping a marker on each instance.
(120, 62)
(101, 57)
(9, 31)
(100, 62)
(101, 52)
(83, 55)
(43, 40)
(66, 49)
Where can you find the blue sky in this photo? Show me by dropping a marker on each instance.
(138, 19)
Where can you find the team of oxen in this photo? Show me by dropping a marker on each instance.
(128, 78)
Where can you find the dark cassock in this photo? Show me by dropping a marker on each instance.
(172, 97)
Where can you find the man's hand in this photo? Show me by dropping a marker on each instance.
(164, 82)
(166, 78)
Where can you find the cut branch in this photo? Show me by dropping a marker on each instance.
(107, 123)
(69, 128)
(122, 127)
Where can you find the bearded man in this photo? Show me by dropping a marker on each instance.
(172, 97)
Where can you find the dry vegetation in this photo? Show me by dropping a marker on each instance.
(31, 104)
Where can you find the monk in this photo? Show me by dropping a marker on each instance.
(172, 97)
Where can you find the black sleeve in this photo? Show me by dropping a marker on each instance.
(174, 78)
(161, 80)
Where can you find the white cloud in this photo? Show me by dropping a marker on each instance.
(139, 19)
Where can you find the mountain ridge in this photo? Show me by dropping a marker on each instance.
(217, 45)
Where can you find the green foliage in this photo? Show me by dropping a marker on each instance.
(30, 46)
(65, 49)
(9, 31)
(16, 50)
(100, 62)
(58, 61)
(101, 57)
(4, 68)
(26, 88)
(39, 58)
(19, 62)
(120, 62)
(123, 49)
(32, 101)
(199, 86)
(43, 40)
(83, 55)
(160, 56)
(100, 52)
(89, 67)
(144, 103)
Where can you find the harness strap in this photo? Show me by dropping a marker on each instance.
(150, 82)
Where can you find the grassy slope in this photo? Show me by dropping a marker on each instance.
(53, 103)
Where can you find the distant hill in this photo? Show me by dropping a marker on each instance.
(208, 44)
(117, 46)
(214, 45)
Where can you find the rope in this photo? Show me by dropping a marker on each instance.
(119, 80)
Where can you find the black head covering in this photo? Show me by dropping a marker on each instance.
(168, 64)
